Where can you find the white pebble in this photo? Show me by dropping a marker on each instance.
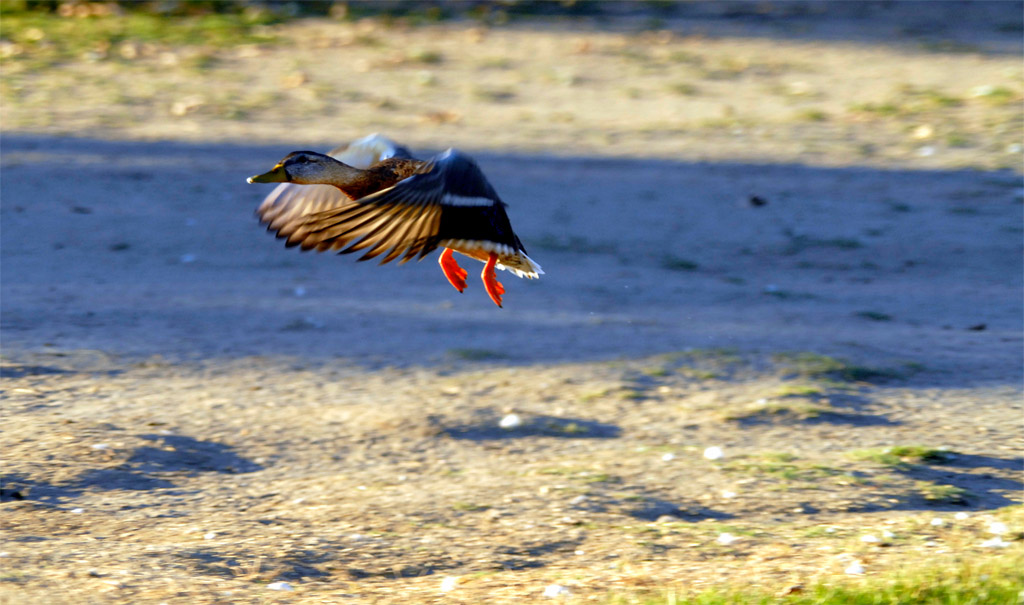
(728, 494)
(761, 401)
(937, 522)
(100, 446)
(448, 583)
(726, 538)
(997, 527)
(4, 554)
(279, 586)
(888, 535)
(854, 569)
(713, 453)
(578, 553)
(926, 151)
(961, 516)
(996, 542)
(668, 457)
(77, 511)
(869, 538)
(983, 91)
(511, 421)
(210, 535)
(556, 590)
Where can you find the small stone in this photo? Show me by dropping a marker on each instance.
(280, 586)
(726, 538)
(511, 421)
(961, 516)
(997, 527)
(556, 590)
(937, 522)
(854, 569)
(888, 535)
(923, 131)
(210, 535)
(730, 494)
(668, 457)
(870, 539)
(996, 542)
(77, 511)
(448, 583)
(713, 453)
(100, 446)
(926, 151)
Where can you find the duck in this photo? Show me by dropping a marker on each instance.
(373, 195)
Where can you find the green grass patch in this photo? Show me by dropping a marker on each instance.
(476, 354)
(901, 456)
(781, 465)
(941, 493)
(814, 365)
(799, 409)
(954, 580)
(798, 390)
(49, 37)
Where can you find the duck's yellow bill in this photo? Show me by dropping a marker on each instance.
(277, 175)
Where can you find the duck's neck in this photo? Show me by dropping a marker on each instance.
(343, 177)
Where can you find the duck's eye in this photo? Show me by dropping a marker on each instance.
(302, 160)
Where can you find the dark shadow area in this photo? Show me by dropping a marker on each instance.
(535, 426)
(176, 453)
(172, 455)
(20, 371)
(940, 487)
(653, 509)
(18, 486)
(608, 292)
(295, 565)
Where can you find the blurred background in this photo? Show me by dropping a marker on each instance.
(916, 83)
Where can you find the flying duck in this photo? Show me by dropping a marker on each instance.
(372, 194)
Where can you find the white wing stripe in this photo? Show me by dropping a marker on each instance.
(458, 200)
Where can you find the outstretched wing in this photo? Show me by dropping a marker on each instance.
(289, 203)
(448, 200)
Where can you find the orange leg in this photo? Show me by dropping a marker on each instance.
(491, 283)
(456, 275)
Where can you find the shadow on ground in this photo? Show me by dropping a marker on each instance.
(146, 468)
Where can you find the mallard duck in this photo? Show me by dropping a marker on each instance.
(373, 194)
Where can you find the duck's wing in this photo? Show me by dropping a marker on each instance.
(289, 202)
(448, 201)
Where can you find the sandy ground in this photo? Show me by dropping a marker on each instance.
(192, 412)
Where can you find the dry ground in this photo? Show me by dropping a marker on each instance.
(192, 413)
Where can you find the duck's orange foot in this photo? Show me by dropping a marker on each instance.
(491, 283)
(456, 275)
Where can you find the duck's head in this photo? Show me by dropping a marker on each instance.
(302, 167)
